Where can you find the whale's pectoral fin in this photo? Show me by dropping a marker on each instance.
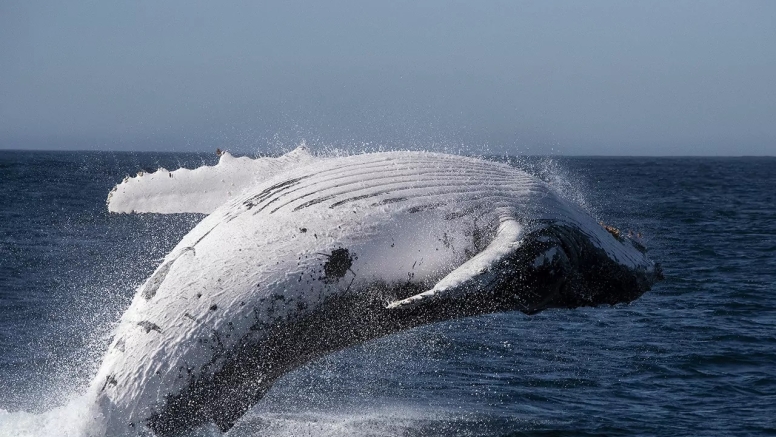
(475, 273)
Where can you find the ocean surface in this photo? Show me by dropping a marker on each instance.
(695, 356)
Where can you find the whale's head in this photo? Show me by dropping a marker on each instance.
(549, 265)
(566, 267)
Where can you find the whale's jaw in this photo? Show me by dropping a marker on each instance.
(560, 267)
(576, 273)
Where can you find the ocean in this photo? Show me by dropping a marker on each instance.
(694, 356)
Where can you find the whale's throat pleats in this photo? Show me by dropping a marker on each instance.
(386, 181)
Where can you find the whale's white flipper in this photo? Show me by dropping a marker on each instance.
(201, 190)
(474, 274)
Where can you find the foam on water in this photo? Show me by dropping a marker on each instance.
(69, 420)
(373, 421)
(74, 420)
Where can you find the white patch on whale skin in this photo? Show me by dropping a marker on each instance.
(402, 216)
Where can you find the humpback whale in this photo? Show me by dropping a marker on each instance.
(327, 255)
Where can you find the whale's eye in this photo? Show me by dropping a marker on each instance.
(338, 264)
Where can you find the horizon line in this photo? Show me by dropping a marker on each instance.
(560, 155)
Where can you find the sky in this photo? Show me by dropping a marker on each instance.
(520, 77)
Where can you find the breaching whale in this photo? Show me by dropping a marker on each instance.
(338, 252)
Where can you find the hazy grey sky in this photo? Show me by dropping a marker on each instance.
(571, 77)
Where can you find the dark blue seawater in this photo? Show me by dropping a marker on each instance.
(695, 356)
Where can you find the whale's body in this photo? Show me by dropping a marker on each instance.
(332, 254)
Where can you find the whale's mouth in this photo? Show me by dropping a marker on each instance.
(569, 271)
